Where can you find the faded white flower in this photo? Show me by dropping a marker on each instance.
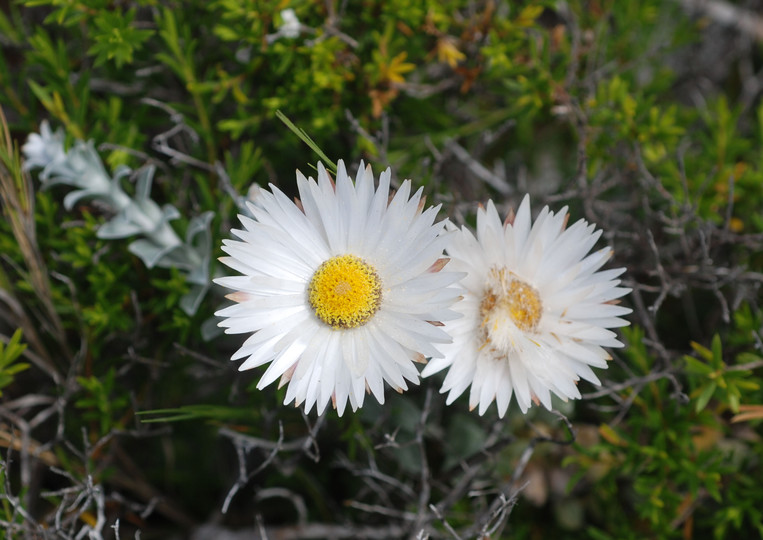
(535, 312)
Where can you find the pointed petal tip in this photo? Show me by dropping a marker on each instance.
(422, 202)
(287, 375)
(438, 265)
(509, 218)
(238, 296)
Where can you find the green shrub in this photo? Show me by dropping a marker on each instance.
(122, 405)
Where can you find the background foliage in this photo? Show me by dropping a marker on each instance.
(117, 419)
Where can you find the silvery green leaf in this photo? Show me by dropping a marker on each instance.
(82, 167)
(143, 183)
(200, 225)
(50, 181)
(120, 172)
(117, 197)
(72, 197)
(143, 201)
(44, 148)
(118, 227)
(181, 257)
(192, 299)
(190, 258)
(149, 252)
(199, 274)
(210, 330)
(145, 214)
(199, 239)
(170, 212)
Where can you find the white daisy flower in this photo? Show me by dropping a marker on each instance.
(342, 292)
(535, 311)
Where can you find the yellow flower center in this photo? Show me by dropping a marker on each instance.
(345, 292)
(508, 299)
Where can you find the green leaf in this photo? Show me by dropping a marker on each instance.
(116, 38)
(305, 138)
(9, 353)
(717, 350)
(466, 437)
(705, 396)
(704, 352)
(696, 367)
(197, 412)
(747, 358)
